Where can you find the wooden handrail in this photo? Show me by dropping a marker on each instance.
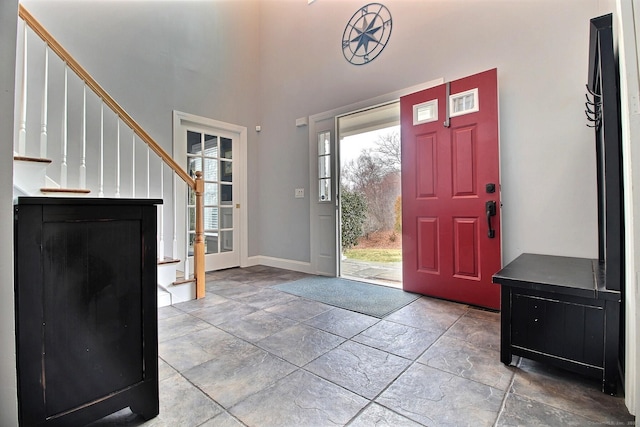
(196, 184)
(106, 98)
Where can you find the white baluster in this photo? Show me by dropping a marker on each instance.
(83, 160)
(45, 102)
(117, 157)
(186, 241)
(174, 249)
(133, 166)
(101, 191)
(161, 213)
(22, 133)
(63, 166)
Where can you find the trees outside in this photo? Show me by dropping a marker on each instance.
(353, 210)
(375, 176)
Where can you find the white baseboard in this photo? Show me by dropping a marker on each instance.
(287, 264)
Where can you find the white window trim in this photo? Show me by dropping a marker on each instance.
(416, 107)
(476, 104)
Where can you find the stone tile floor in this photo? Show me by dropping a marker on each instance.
(248, 355)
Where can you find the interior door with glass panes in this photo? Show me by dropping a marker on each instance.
(213, 154)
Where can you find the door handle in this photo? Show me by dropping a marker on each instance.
(491, 211)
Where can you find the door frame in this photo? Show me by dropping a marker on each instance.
(314, 210)
(181, 121)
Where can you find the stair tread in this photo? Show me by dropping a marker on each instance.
(167, 260)
(32, 159)
(182, 282)
(66, 190)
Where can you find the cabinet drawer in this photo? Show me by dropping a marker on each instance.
(564, 329)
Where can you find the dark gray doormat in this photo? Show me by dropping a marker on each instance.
(365, 298)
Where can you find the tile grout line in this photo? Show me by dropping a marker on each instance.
(409, 366)
(503, 405)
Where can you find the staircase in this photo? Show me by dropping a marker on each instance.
(98, 151)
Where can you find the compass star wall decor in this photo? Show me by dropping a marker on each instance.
(366, 34)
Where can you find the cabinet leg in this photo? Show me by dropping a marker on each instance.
(147, 408)
(505, 326)
(505, 357)
(609, 387)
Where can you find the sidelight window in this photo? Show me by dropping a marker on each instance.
(324, 166)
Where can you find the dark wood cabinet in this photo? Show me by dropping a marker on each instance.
(557, 310)
(86, 308)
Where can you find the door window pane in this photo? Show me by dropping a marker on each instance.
(195, 164)
(464, 102)
(210, 218)
(210, 146)
(225, 147)
(192, 219)
(226, 217)
(425, 112)
(226, 194)
(324, 145)
(325, 190)
(192, 240)
(226, 168)
(194, 142)
(227, 241)
(324, 166)
(210, 170)
(210, 243)
(210, 194)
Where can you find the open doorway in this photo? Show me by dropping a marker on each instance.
(370, 196)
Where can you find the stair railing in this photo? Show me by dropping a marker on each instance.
(196, 183)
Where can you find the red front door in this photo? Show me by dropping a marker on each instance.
(450, 179)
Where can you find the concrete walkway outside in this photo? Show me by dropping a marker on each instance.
(381, 273)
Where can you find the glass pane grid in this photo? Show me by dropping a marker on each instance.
(213, 156)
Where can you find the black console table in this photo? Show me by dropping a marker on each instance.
(86, 308)
(557, 310)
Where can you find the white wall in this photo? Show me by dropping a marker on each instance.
(8, 388)
(541, 51)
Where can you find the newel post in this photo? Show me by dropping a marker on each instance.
(198, 246)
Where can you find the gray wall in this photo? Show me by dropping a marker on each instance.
(269, 62)
(540, 50)
(8, 394)
(154, 57)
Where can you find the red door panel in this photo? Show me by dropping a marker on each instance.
(426, 165)
(428, 254)
(447, 251)
(465, 247)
